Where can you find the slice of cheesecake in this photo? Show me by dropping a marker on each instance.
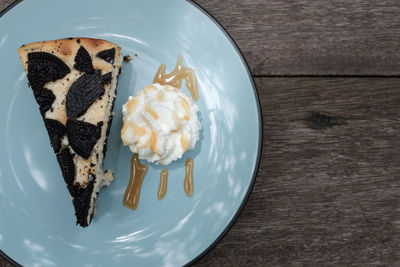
(74, 82)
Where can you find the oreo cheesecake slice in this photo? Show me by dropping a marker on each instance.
(74, 82)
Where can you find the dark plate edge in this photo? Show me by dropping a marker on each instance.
(7, 258)
(260, 141)
(9, 7)
(260, 130)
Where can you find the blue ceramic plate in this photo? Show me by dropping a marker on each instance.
(37, 224)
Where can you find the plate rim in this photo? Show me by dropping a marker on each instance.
(260, 132)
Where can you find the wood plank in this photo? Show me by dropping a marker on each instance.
(322, 195)
(314, 37)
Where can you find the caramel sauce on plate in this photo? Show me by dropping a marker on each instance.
(132, 193)
(162, 188)
(188, 183)
(175, 78)
(138, 170)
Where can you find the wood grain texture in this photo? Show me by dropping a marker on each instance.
(322, 196)
(314, 37)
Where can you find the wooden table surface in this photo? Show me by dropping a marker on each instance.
(328, 186)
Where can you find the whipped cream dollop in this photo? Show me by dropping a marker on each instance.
(160, 123)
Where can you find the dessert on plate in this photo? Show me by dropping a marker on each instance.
(160, 125)
(74, 82)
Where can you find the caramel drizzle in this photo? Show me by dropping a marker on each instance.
(162, 188)
(138, 170)
(188, 182)
(132, 192)
(175, 78)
